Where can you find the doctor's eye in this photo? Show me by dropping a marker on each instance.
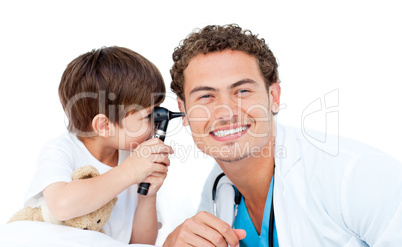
(205, 96)
(242, 91)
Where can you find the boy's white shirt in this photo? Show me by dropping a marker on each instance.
(48, 216)
(57, 161)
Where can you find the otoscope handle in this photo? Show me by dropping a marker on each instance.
(143, 187)
(161, 117)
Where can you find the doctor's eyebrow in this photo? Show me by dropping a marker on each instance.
(234, 85)
(241, 82)
(202, 88)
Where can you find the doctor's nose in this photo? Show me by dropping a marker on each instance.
(226, 111)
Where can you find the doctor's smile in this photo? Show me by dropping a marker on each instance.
(229, 132)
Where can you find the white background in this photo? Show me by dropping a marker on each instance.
(352, 47)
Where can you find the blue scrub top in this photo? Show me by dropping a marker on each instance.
(243, 221)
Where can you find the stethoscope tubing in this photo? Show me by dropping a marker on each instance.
(237, 200)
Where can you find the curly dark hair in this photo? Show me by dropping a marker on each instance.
(218, 38)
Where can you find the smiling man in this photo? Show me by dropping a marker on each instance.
(230, 85)
(227, 82)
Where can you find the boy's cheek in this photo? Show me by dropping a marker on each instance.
(139, 137)
(140, 130)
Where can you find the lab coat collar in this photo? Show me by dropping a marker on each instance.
(287, 149)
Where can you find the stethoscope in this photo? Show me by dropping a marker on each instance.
(237, 200)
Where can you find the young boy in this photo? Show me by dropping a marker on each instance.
(107, 95)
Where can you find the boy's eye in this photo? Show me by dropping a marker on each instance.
(148, 117)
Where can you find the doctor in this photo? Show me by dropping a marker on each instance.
(291, 193)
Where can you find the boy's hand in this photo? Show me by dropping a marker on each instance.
(150, 161)
(156, 181)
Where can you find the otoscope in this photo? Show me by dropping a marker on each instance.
(161, 117)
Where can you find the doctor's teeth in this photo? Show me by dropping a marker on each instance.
(221, 133)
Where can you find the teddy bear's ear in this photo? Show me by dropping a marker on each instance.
(85, 172)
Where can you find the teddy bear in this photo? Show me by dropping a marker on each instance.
(93, 221)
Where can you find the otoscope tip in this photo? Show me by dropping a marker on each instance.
(176, 114)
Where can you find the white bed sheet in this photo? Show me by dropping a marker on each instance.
(41, 234)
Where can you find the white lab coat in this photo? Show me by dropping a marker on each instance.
(351, 199)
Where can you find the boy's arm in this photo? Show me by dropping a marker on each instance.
(80, 197)
(145, 223)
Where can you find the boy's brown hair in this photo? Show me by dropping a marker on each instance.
(218, 38)
(107, 81)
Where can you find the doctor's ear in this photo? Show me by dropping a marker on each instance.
(182, 108)
(274, 97)
(101, 125)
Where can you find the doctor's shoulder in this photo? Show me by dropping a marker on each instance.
(356, 168)
(338, 163)
(334, 148)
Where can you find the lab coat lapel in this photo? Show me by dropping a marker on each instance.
(287, 153)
